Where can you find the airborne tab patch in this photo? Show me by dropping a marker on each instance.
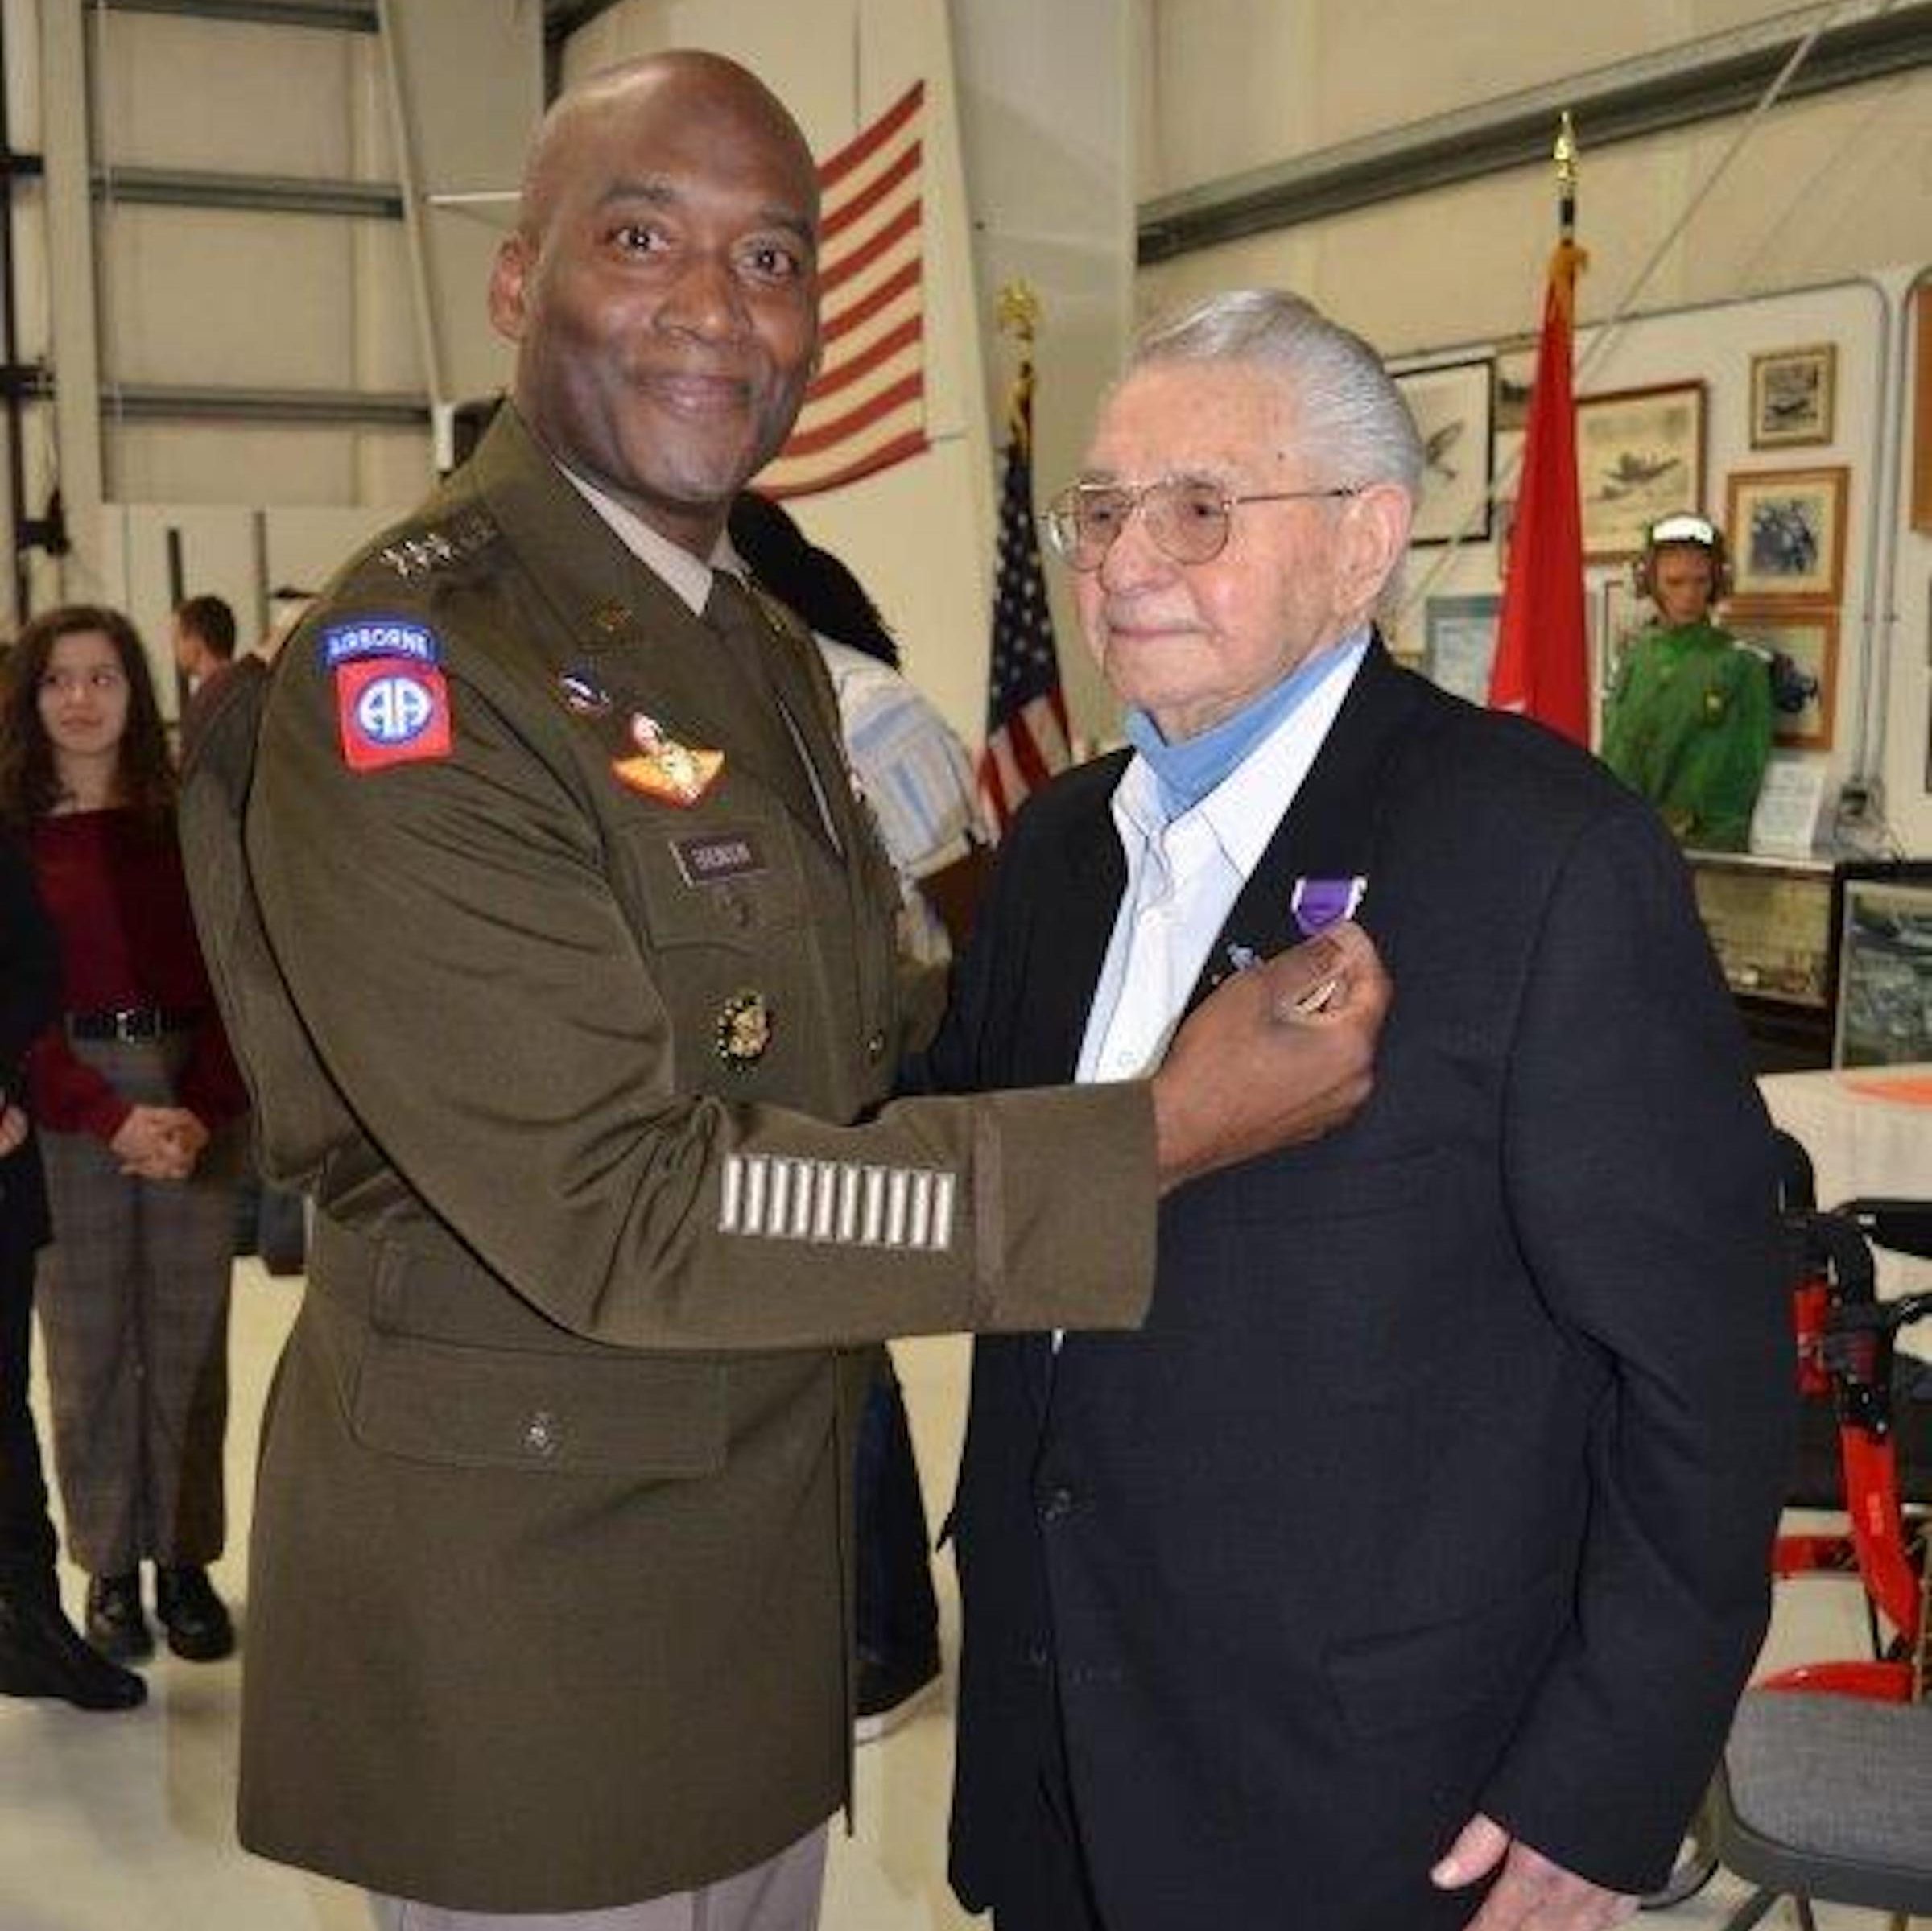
(368, 636)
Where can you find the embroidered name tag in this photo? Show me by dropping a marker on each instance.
(722, 855)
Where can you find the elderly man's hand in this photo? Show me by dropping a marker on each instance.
(1281, 1052)
(1531, 1894)
(13, 1129)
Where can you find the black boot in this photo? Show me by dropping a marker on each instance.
(198, 1627)
(115, 1625)
(42, 1654)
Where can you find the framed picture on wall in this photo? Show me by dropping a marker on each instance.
(1616, 613)
(1881, 924)
(1809, 639)
(1515, 377)
(1792, 394)
(1787, 531)
(1640, 454)
(1451, 407)
(1461, 645)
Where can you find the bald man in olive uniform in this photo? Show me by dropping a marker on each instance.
(559, 862)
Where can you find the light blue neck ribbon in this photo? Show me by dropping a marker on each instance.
(1187, 770)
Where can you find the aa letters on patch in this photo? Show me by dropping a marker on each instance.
(390, 710)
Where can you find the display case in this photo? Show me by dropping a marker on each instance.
(1771, 924)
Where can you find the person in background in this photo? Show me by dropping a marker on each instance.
(41, 1653)
(135, 1092)
(1687, 723)
(204, 639)
(1402, 1571)
(915, 775)
(268, 1220)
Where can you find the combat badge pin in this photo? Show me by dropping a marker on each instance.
(744, 1029)
(583, 692)
(663, 769)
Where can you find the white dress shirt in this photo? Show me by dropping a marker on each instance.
(1184, 874)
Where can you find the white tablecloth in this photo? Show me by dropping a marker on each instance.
(1865, 1140)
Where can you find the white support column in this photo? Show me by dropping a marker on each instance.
(74, 351)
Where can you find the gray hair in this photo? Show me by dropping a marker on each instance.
(1349, 408)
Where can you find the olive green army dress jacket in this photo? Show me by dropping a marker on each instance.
(591, 946)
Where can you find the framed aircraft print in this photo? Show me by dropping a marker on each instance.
(1640, 454)
(1451, 407)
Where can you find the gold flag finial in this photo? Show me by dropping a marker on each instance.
(1564, 154)
(1019, 311)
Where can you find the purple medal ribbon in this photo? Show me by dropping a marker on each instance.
(1318, 903)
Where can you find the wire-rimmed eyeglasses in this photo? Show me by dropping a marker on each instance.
(1189, 517)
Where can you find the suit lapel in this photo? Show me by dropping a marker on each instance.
(1077, 904)
(1332, 829)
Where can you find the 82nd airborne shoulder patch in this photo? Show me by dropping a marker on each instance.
(392, 702)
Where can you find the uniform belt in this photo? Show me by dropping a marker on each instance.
(129, 1024)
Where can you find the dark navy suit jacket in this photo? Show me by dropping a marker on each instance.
(1443, 1475)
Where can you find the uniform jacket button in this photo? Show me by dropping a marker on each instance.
(1057, 1505)
(542, 1436)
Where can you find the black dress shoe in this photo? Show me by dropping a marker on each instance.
(42, 1654)
(198, 1627)
(115, 1625)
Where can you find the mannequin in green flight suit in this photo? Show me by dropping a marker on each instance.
(1688, 720)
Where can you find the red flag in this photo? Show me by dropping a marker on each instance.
(1026, 738)
(866, 407)
(1543, 654)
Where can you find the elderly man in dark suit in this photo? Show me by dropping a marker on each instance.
(41, 1653)
(1402, 1570)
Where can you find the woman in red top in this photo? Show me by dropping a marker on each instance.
(132, 1092)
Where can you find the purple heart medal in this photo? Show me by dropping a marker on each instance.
(1316, 904)
(1319, 903)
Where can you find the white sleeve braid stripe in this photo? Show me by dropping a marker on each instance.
(837, 1203)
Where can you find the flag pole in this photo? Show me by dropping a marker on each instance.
(1026, 729)
(1541, 663)
(1017, 315)
(1566, 179)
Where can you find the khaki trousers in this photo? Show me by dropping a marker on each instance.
(782, 1894)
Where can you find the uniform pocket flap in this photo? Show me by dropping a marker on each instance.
(609, 1414)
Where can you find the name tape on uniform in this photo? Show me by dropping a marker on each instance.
(838, 1203)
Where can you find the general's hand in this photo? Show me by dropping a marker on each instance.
(1531, 1894)
(12, 1130)
(1253, 1069)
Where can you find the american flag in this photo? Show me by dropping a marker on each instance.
(866, 409)
(1026, 707)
